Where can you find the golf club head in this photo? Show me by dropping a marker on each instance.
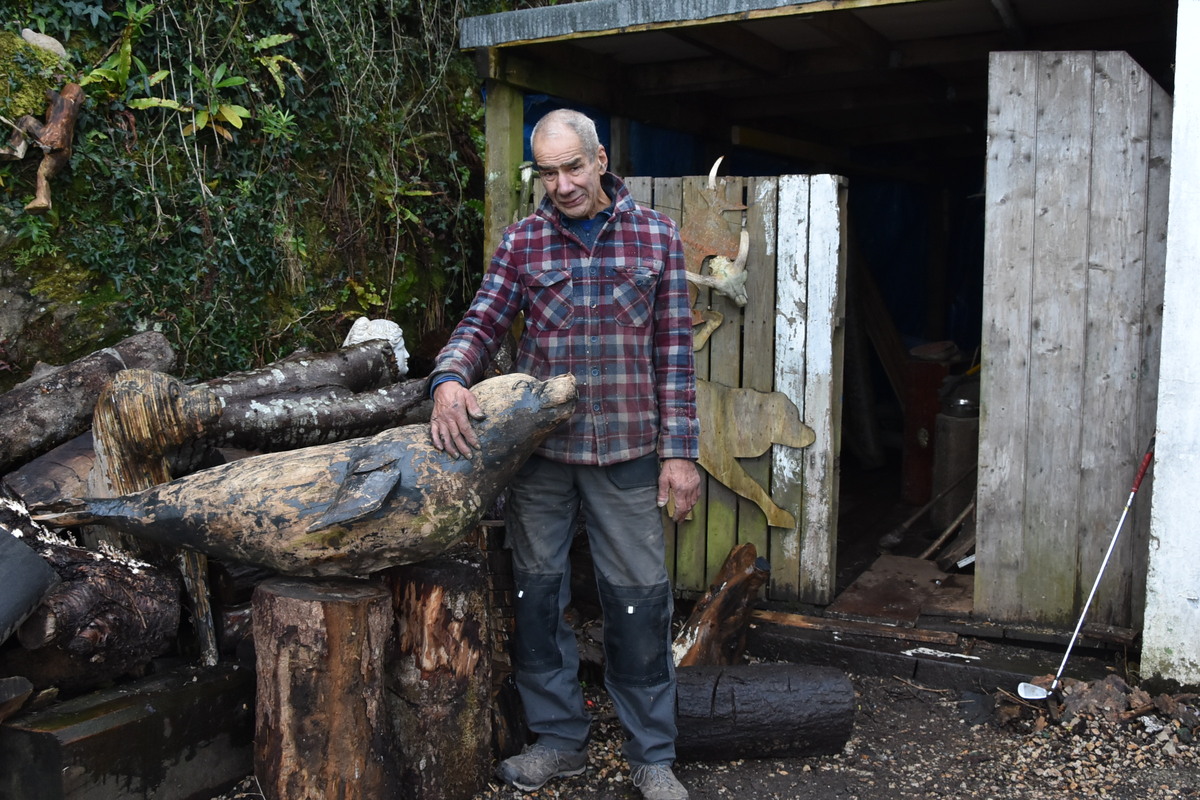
(1030, 691)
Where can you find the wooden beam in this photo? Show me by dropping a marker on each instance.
(737, 44)
(504, 115)
(609, 17)
(848, 30)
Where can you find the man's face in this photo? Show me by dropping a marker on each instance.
(572, 180)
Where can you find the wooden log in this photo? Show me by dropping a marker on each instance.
(53, 407)
(14, 691)
(278, 422)
(176, 735)
(24, 580)
(356, 368)
(715, 632)
(439, 683)
(762, 711)
(107, 616)
(140, 417)
(62, 472)
(321, 729)
(347, 508)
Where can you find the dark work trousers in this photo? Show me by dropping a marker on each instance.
(625, 531)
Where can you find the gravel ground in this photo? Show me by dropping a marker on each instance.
(914, 742)
(911, 741)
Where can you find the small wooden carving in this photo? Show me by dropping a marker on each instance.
(743, 423)
(54, 137)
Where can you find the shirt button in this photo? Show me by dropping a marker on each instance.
(595, 370)
(595, 339)
(595, 406)
(593, 305)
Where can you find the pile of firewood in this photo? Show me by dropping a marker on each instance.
(104, 605)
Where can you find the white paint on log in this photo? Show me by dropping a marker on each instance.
(1171, 639)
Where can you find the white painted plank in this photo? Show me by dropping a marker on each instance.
(823, 387)
(791, 332)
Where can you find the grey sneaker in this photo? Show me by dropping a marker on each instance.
(658, 782)
(538, 763)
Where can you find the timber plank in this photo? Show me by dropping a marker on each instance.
(1058, 296)
(180, 734)
(791, 332)
(758, 340)
(893, 590)
(725, 367)
(1004, 385)
(1159, 167)
(1110, 450)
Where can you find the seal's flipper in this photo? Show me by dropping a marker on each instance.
(368, 484)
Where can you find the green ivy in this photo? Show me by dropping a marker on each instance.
(248, 178)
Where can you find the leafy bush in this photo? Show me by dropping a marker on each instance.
(250, 177)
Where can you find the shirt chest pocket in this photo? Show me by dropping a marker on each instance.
(633, 293)
(549, 300)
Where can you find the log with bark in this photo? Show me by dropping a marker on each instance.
(24, 580)
(57, 405)
(440, 679)
(715, 632)
(347, 508)
(140, 416)
(762, 711)
(107, 617)
(321, 724)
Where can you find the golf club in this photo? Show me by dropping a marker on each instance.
(1030, 691)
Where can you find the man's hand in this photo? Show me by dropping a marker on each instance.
(679, 477)
(450, 424)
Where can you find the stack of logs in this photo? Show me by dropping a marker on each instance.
(383, 687)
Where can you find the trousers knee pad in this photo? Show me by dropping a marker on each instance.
(637, 633)
(535, 608)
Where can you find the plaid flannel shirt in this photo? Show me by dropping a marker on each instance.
(616, 317)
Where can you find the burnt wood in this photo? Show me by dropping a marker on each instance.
(762, 710)
(715, 632)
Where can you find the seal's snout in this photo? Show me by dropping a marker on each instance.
(558, 391)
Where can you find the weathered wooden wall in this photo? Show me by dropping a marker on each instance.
(1078, 159)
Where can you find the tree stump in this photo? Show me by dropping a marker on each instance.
(321, 724)
(762, 710)
(440, 682)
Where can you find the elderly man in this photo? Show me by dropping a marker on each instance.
(602, 285)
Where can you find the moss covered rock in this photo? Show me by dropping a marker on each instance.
(30, 72)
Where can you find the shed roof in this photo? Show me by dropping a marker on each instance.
(849, 85)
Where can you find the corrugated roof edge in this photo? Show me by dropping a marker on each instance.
(599, 16)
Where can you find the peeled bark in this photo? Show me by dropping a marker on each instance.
(715, 633)
(46, 411)
(440, 680)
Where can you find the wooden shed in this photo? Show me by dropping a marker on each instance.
(921, 178)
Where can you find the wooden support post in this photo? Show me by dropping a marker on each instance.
(762, 710)
(440, 683)
(321, 725)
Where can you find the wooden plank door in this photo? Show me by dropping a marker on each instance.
(1072, 304)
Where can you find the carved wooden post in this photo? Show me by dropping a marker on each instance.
(321, 723)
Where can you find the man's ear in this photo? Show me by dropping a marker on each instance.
(602, 157)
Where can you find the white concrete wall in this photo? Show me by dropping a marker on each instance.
(1171, 639)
